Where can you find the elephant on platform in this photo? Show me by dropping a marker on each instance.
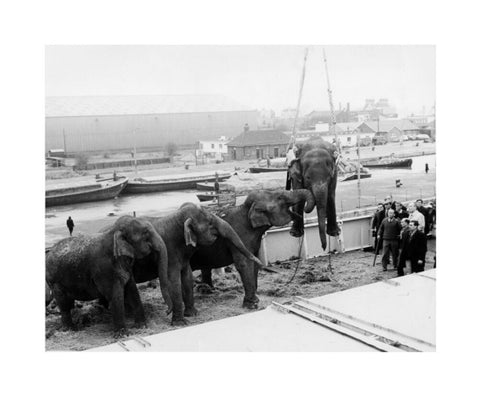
(185, 231)
(99, 266)
(315, 169)
(260, 211)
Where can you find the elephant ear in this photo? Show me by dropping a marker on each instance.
(296, 171)
(190, 237)
(258, 215)
(121, 247)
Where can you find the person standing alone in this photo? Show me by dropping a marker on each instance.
(389, 233)
(70, 225)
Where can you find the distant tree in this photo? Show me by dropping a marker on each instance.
(81, 161)
(171, 149)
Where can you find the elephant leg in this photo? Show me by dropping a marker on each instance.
(133, 298)
(332, 226)
(65, 304)
(297, 229)
(176, 294)
(187, 291)
(246, 269)
(207, 276)
(103, 302)
(117, 305)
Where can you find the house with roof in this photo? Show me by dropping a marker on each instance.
(393, 129)
(258, 144)
(347, 133)
(212, 150)
(98, 123)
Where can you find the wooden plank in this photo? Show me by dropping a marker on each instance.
(369, 332)
(370, 341)
(422, 343)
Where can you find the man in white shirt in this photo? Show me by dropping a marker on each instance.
(414, 214)
(291, 155)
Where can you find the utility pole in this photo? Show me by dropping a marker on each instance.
(332, 109)
(135, 152)
(302, 80)
(64, 142)
(358, 167)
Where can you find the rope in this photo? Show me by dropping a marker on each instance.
(298, 262)
(302, 80)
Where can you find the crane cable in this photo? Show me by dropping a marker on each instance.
(332, 113)
(302, 80)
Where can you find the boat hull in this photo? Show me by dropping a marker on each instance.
(139, 187)
(206, 197)
(354, 176)
(404, 163)
(264, 170)
(207, 186)
(99, 194)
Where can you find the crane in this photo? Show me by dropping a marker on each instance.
(302, 80)
(332, 110)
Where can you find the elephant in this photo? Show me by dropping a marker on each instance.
(184, 231)
(88, 267)
(260, 211)
(315, 169)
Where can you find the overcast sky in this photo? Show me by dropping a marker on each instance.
(256, 76)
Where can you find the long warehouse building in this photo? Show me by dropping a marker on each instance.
(101, 123)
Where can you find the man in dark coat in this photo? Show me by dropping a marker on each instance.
(70, 225)
(389, 233)
(376, 221)
(400, 211)
(417, 247)
(404, 240)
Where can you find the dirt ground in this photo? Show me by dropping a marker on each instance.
(314, 277)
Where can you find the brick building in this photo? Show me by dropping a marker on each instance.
(258, 144)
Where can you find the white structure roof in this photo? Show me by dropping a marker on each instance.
(402, 308)
(71, 106)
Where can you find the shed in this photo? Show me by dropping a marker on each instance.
(258, 144)
(97, 123)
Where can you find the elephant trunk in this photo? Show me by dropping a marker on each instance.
(302, 195)
(320, 193)
(226, 231)
(159, 246)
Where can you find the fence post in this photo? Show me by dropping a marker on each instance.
(134, 214)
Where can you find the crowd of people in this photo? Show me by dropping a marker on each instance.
(401, 232)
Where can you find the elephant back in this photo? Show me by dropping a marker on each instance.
(71, 250)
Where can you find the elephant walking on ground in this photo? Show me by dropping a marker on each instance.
(185, 231)
(315, 169)
(100, 266)
(260, 211)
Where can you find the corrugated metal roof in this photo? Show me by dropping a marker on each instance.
(388, 125)
(258, 138)
(70, 106)
(348, 126)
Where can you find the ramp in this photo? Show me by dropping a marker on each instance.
(395, 316)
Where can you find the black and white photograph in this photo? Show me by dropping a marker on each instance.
(193, 191)
(239, 198)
